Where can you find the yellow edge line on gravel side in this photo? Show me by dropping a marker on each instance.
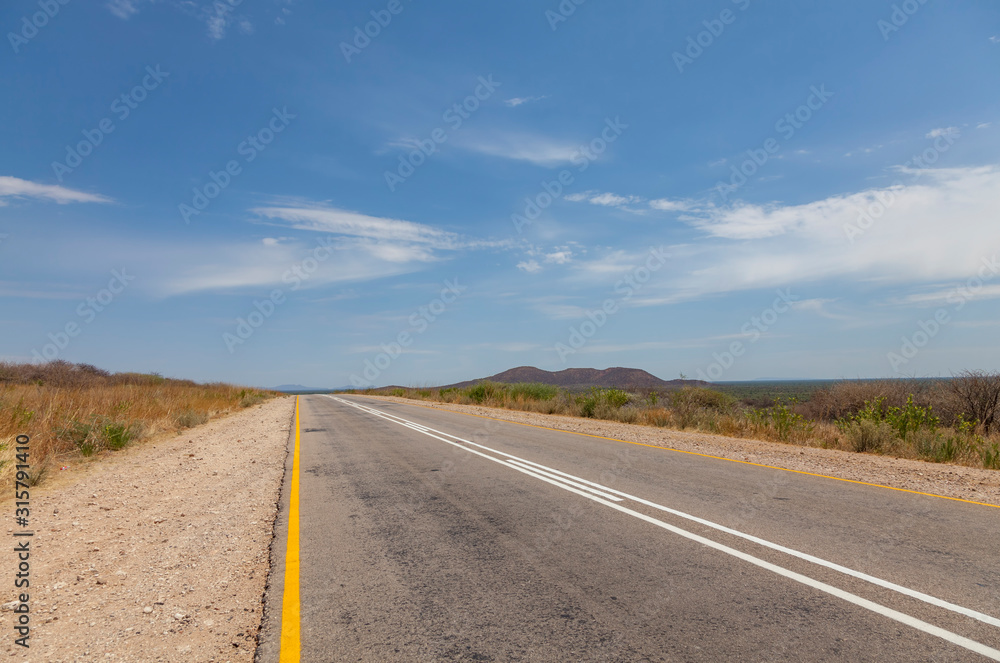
(695, 453)
(291, 639)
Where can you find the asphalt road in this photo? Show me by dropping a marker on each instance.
(429, 535)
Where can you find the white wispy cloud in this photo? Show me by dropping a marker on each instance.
(123, 8)
(536, 257)
(345, 222)
(940, 296)
(15, 187)
(530, 266)
(820, 307)
(611, 200)
(217, 16)
(609, 266)
(240, 266)
(517, 101)
(984, 125)
(539, 150)
(668, 205)
(942, 131)
(862, 150)
(387, 239)
(606, 199)
(559, 257)
(557, 311)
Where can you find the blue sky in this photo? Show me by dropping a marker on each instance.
(261, 192)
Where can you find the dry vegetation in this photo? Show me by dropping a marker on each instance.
(70, 410)
(945, 421)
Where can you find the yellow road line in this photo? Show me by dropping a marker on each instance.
(291, 638)
(695, 453)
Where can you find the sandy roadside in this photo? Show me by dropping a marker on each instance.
(967, 483)
(159, 552)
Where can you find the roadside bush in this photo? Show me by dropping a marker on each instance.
(935, 447)
(868, 436)
(904, 421)
(80, 435)
(690, 403)
(532, 391)
(990, 455)
(98, 433)
(626, 415)
(657, 417)
(701, 397)
(250, 397)
(190, 418)
(484, 391)
(978, 395)
(781, 420)
(604, 404)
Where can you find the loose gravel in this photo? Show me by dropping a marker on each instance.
(158, 552)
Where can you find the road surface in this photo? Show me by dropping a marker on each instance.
(426, 535)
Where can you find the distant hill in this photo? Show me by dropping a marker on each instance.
(584, 378)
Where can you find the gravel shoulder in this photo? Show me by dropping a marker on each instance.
(159, 552)
(966, 483)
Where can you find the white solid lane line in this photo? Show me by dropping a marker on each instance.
(526, 467)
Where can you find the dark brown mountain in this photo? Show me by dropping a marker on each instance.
(584, 378)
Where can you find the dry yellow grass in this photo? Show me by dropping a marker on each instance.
(72, 410)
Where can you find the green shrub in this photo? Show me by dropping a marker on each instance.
(533, 391)
(190, 418)
(615, 397)
(935, 447)
(20, 416)
(626, 415)
(98, 433)
(485, 391)
(250, 397)
(990, 455)
(867, 435)
(905, 420)
(694, 406)
(701, 397)
(117, 435)
(912, 418)
(81, 435)
(603, 403)
(786, 422)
